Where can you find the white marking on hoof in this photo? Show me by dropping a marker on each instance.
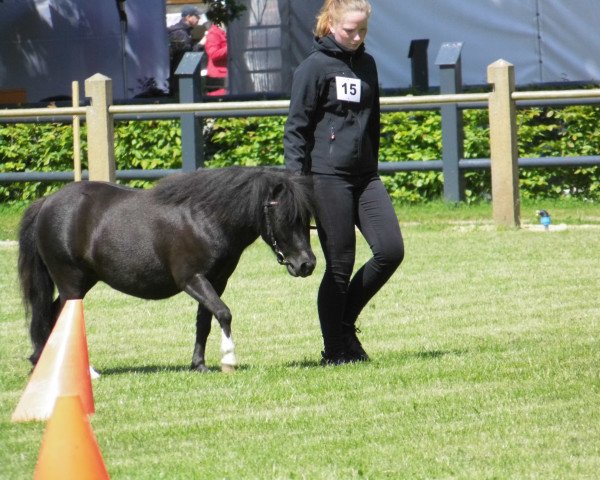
(225, 368)
(228, 359)
(93, 373)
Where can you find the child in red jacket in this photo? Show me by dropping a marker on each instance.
(216, 51)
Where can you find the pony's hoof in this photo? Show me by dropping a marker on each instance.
(34, 357)
(225, 368)
(200, 368)
(93, 373)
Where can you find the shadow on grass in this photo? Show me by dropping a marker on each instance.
(389, 357)
(434, 354)
(152, 369)
(306, 363)
(144, 369)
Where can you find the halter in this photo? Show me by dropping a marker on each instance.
(271, 235)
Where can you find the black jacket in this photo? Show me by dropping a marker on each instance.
(180, 40)
(324, 134)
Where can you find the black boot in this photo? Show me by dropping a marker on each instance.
(336, 351)
(337, 357)
(349, 350)
(354, 348)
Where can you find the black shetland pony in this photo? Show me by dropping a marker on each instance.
(186, 234)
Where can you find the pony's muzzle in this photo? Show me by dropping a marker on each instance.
(302, 268)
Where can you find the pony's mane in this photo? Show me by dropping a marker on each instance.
(238, 193)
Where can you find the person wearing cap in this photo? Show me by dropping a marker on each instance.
(181, 41)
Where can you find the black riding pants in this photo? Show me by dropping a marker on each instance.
(343, 203)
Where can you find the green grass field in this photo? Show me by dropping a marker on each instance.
(486, 364)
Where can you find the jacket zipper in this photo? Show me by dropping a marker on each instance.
(359, 146)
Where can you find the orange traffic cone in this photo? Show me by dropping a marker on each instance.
(63, 368)
(69, 448)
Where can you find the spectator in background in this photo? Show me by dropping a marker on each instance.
(215, 46)
(181, 41)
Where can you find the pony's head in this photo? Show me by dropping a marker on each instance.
(270, 202)
(285, 224)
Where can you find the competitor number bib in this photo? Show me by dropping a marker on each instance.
(348, 89)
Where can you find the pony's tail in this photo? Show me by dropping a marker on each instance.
(37, 287)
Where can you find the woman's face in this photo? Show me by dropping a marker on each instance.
(351, 30)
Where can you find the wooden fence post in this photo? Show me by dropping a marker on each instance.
(503, 145)
(100, 129)
(76, 133)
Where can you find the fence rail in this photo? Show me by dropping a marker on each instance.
(100, 116)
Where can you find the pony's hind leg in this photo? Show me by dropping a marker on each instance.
(42, 323)
(43, 318)
(203, 324)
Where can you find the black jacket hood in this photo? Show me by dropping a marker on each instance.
(329, 46)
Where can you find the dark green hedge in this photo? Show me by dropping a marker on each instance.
(570, 131)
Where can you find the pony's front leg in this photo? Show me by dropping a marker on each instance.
(228, 360)
(203, 291)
